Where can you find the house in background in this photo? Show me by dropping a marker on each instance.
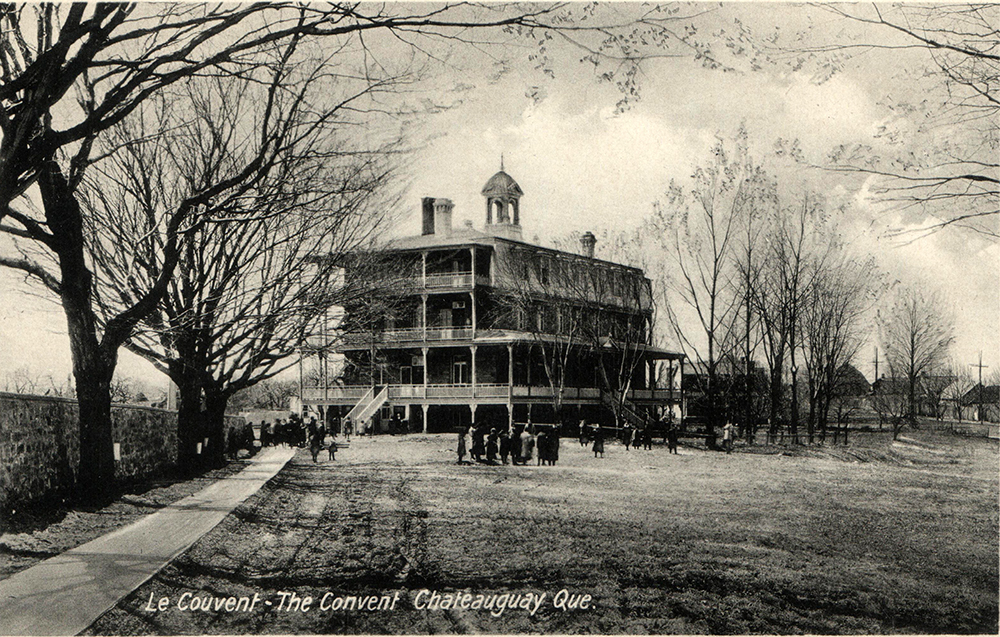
(486, 327)
(982, 403)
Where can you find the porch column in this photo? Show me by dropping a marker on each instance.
(302, 402)
(423, 310)
(472, 292)
(670, 381)
(680, 388)
(423, 269)
(427, 367)
(472, 300)
(510, 384)
(510, 373)
(472, 348)
(426, 409)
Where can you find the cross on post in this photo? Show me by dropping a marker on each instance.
(981, 367)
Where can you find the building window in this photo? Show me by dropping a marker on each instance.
(460, 372)
(543, 271)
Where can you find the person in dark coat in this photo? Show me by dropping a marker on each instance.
(316, 436)
(554, 446)
(647, 438)
(492, 447)
(542, 445)
(478, 445)
(233, 444)
(249, 440)
(671, 437)
(599, 442)
(463, 441)
(504, 446)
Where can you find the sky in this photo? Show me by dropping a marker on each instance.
(585, 166)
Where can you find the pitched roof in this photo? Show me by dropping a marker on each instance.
(989, 394)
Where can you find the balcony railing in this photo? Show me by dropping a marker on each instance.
(410, 335)
(337, 392)
(653, 394)
(482, 390)
(449, 333)
(449, 280)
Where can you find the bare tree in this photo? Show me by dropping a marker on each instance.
(796, 253)
(270, 393)
(250, 276)
(698, 230)
(961, 383)
(947, 166)
(753, 224)
(915, 335)
(836, 304)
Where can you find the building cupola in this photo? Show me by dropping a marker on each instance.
(503, 210)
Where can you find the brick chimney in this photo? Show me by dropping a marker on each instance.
(442, 216)
(427, 205)
(587, 243)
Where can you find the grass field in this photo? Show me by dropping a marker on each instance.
(882, 537)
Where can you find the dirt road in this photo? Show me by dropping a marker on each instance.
(695, 543)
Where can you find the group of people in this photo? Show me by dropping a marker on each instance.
(291, 432)
(519, 445)
(241, 437)
(296, 432)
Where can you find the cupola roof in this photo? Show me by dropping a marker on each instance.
(502, 185)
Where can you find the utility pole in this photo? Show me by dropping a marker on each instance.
(980, 366)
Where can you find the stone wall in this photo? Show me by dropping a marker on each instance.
(40, 452)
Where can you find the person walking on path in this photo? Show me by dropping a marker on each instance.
(727, 437)
(463, 436)
(478, 444)
(647, 438)
(599, 442)
(348, 428)
(316, 436)
(671, 437)
(331, 449)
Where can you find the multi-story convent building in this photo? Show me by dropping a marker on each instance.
(489, 327)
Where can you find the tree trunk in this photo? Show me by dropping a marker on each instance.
(189, 420)
(811, 423)
(215, 426)
(775, 404)
(95, 480)
(93, 363)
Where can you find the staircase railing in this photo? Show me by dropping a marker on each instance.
(616, 403)
(362, 403)
(373, 406)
